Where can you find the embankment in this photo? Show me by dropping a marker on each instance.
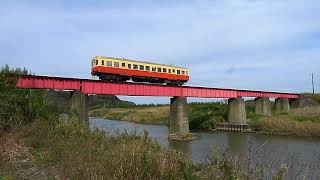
(205, 116)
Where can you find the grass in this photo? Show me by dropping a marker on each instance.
(146, 115)
(315, 97)
(298, 122)
(83, 154)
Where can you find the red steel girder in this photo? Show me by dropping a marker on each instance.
(87, 86)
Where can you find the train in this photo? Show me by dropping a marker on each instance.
(112, 69)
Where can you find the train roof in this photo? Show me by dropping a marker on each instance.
(143, 62)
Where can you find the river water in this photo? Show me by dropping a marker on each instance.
(300, 155)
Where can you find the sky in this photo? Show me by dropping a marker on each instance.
(271, 45)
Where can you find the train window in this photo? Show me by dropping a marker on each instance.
(96, 62)
(173, 71)
(159, 69)
(186, 72)
(183, 72)
(147, 68)
(123, 64)
(154, 69)
(169, 70)
(116, 64)
(109, 63)
(129, 66)
(102, 62)
(135, 66)
(164, 70)
(141, 67)
(178, 71)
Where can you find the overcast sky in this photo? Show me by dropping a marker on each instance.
(268, 45)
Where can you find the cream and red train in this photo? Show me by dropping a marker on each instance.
(121, 70)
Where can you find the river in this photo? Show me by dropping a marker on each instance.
(301, 155)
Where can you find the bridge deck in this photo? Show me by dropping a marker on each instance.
(87, 86)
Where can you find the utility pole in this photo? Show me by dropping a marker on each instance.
(312, 83)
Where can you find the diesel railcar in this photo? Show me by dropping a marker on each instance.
(121, 70)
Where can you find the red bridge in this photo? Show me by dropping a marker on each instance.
(179, 127)
(87, 86)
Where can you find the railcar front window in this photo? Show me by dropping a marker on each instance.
(129, 66)
(102, 62)
(116, 64)
(164, 70)
(147, 68)
(183, 72)
(154, 69)
(135, 66)
(123, 64)
(141, 67)
(159, 69)
(96, 62)
(178, 71)
(109, 63)
(169, 71)
(173, 71)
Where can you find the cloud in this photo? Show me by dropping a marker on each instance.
(269, 45)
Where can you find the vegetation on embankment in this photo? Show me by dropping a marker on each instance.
(297, 122)
(202, 116)
(144, 115)
(314, 97)
(21, 106)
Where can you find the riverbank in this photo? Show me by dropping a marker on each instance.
(145, 115)
(298, 122)
(204, 117)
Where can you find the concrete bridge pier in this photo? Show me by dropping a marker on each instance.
(79, 102)
(237, 111)
(295, 103)
(179, 124)
(263, 106)
(282, 105)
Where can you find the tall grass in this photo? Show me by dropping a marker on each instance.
(84, 154)
(298, 122)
